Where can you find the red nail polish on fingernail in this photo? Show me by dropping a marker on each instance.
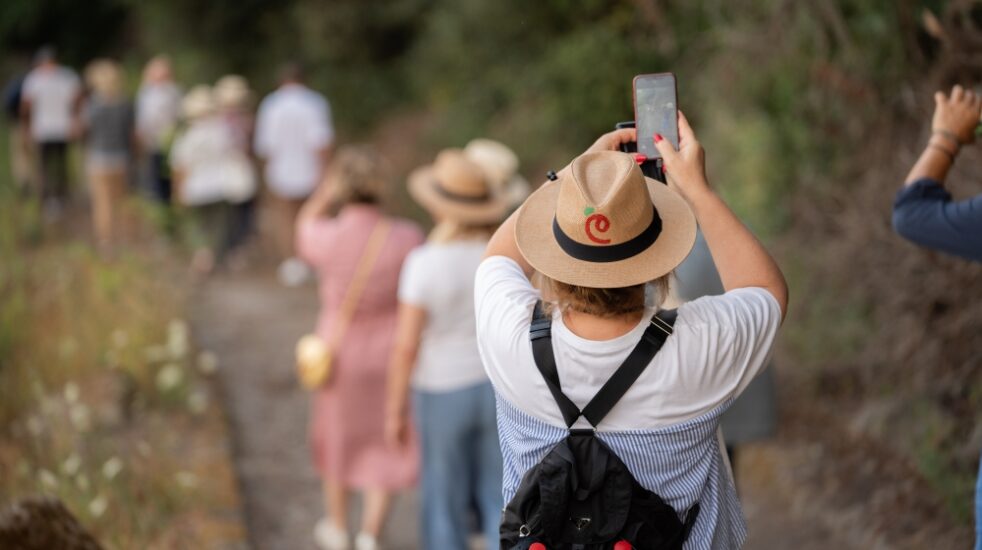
(640, 158)
(658, 138)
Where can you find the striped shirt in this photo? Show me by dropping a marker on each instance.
(666, 427)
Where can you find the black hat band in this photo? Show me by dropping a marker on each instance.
(609, 253)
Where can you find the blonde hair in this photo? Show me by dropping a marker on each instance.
(105, 77)
(448, 230)
(606, 303)
(358, 175)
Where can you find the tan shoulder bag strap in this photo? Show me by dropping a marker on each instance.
(360, 280)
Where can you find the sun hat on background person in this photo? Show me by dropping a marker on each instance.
(455, 188)
(436, 355)
(232, 92)
(606, 239)
(198, 103)
(500, 166)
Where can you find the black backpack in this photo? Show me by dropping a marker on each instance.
(581, 496)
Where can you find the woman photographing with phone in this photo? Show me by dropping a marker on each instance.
(606, 239)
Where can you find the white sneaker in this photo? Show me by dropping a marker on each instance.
(364, 541)
(293, 272)
(330, 537)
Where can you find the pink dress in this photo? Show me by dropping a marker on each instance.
(348, 414)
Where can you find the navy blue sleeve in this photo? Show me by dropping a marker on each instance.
(924, 213)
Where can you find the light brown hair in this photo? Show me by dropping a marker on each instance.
(604, 302)
(358, 175)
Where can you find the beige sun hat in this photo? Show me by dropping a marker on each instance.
(456, 188)
(604, 225)
(198, 102)
(500, 166)
(232, 91)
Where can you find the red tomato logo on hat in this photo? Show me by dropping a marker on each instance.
(601, 224)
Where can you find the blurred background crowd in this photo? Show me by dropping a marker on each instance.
(156, 154)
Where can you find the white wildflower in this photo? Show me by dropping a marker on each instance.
(71, 465)
(169, 377)
(120, 338)
(186, 480)
(71, 392)
(178, 338)
(47, 479)
(80, 416)
(98, 506)
(112, 467)
(198, 401)
(207, 362)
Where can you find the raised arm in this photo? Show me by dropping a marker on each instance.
(953, 125)
(741, 259)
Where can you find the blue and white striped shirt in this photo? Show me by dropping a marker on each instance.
(666, 427)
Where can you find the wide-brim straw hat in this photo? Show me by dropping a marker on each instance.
(604, 225)
(500, 166)
(455, 188)
(232, 91)
(198, 102)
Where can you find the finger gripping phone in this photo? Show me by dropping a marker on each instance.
(656, 111)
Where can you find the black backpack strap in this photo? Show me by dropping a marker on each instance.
(657, 331)
(541, 335)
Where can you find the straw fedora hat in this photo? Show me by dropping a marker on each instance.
(232, 92)
(198, 102)
(456, 188)
(604, 225)
(500, 166)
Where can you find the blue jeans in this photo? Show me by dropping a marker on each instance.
(978, 509)
(461, 465)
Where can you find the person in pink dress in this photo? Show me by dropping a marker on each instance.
(347, 422)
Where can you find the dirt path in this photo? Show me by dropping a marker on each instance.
(251, 322)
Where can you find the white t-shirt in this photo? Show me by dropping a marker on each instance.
(52, 93)
(719, 344)
(292, 127)
(215, 169)
(440, 279)
(158, 106)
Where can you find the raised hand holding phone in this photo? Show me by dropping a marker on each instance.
(685, 167)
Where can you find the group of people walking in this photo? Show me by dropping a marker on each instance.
(202, 151)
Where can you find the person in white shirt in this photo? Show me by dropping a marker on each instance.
(50, 101)
(210, 175)
(158, 108)
(605, 240)
(293, 138)
(436, 351)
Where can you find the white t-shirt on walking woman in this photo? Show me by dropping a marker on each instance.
(439, 277)
(719, 344)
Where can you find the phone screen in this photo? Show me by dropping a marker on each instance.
(656, 111)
